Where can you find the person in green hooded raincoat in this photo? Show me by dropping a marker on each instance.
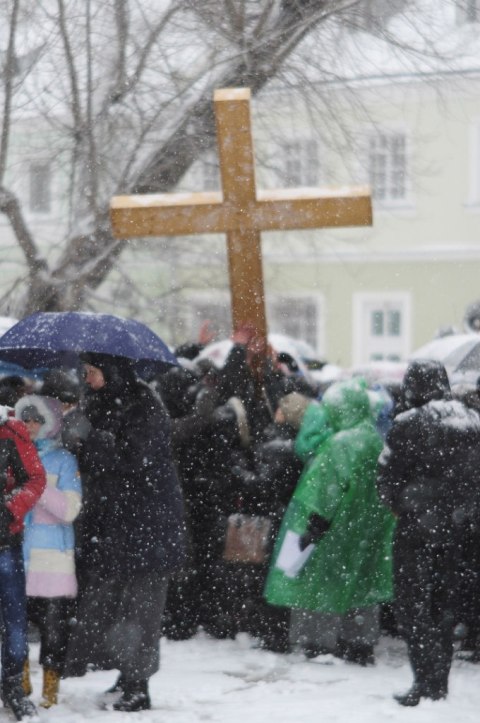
(333, 554)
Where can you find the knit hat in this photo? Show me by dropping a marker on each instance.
(60, 385)
(46, 410)
(293, 408)
(115, 369)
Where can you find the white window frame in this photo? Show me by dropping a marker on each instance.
(222, 300)
(210, 171)
(219, 298)
(317, 300)
(390, 201)
(360, 300)
(301, 162)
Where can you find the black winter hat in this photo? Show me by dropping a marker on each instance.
(113, 367)
(60, 385)
(424, 381)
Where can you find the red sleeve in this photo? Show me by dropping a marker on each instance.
(25, 495)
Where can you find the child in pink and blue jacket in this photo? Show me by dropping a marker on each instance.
(49, 540)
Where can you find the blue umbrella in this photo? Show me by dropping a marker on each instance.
(54, 339)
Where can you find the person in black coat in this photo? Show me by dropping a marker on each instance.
(231, 459)
(428, 475)
(132, 530)
(263, 488)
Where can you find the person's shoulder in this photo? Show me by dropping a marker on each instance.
(141, 393)
(405, 421)
(143, 398)
(406, 428)
(456, 414)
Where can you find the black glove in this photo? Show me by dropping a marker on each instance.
(316, 528)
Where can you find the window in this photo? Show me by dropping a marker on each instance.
(301, 165)
(217, 313)
(385, 322)
(210, 172)
(297, 317)
(387, 165)
(381, 327)
(467, 11)
(40, 187)
(373, 15)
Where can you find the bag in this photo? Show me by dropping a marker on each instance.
(247, 538)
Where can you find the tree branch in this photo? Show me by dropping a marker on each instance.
(10, 206)
(196, 133)
(76, 106)
(92, 166)
(9, 73)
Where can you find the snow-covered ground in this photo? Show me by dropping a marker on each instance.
(229, 681)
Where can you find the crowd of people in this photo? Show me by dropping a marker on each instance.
(233, 499)
(371, 494)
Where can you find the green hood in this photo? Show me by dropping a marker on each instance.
(314, 431)
(347, 404)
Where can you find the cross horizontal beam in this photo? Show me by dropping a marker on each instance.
(181, 214)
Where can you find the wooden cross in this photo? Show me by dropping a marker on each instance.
(239, 210)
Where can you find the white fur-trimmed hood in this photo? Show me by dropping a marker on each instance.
(49, 408)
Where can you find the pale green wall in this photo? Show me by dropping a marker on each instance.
(440, 292)
(428, 247)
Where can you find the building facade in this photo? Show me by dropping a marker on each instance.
(412, 132)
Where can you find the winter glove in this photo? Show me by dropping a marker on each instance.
(316, 528)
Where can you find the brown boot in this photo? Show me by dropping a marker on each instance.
(51, 682)
(26, 682)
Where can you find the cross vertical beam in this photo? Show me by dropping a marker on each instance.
(237, 172)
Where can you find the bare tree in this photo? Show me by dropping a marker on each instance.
(123, 90)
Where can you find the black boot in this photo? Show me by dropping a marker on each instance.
(418, 691)
(134, 697)
(15, 698)
(313, 650)
(117, 687)
(359, 653)
(411, 697)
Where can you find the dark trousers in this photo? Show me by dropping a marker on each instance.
(468, 589)
(425, 577)
(13, 605)
(118, 625)
(52, 617)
